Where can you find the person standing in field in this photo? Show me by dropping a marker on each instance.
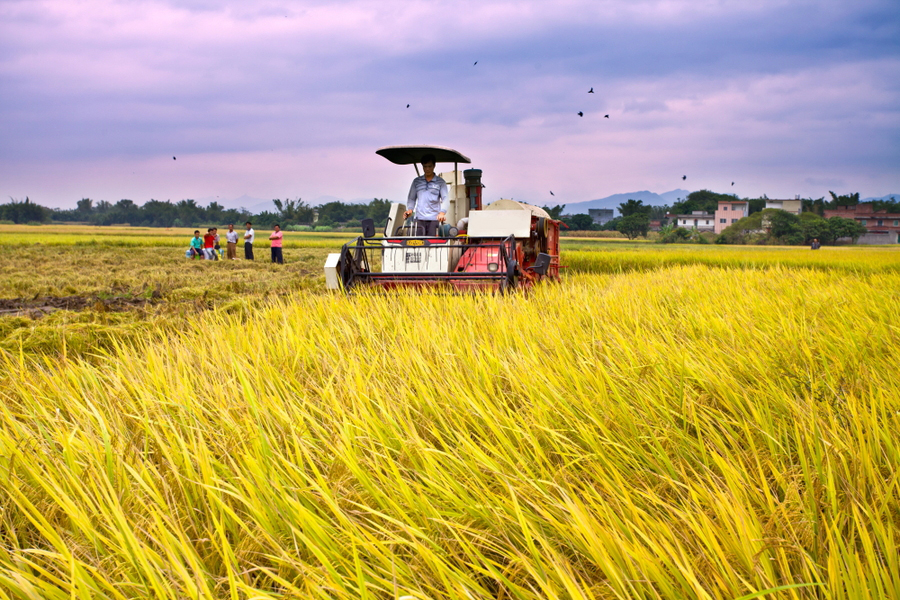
(276, 237)
(196, 245)
(231, 238)
(209, 242)
(815, 244)
(428, 199)
(248, 241)
(216, 247)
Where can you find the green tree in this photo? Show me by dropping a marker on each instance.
(555, 212)
(658, 213)
(296, 212)
(756, 205)
(704, 200)
(634, 207)
(378, 211)
(634, 225)
(812, 226)
(782, 225)
(848, 200)
(579, 222)
(845, 228)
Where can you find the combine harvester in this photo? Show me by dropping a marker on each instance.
(503, 246)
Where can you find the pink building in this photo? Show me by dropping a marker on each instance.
(730, 211)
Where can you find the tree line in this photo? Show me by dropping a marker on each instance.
(188, 213)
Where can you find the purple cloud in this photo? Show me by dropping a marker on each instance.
(292, 98)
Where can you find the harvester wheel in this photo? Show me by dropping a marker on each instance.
(511, 281)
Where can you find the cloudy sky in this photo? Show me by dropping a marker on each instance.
(275, 99)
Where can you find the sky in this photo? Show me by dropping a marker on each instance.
(288, 99)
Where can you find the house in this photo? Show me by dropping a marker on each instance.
(601, 216)
(699, 219)
(730, 211)
(794, 206)
(883, 227)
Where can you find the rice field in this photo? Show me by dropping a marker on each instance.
(692, 422)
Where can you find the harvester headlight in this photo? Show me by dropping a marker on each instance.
(492, 267)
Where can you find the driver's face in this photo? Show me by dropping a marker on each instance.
(428, 168)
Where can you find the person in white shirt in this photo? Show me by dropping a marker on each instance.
(248, 241)
(428, 199)
(231, 238)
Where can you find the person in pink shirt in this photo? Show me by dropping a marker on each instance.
(276, 236)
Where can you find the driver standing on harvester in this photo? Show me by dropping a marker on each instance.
(428, 199)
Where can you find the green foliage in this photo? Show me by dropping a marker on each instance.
(780, 223)
(633, 207)
(294, 211)
(756, 205)
(635, 224)
(674, 235)
(555, 212)
(24, 212)
(812, 226)
(187, 213)
(848, 200)
(774, 226)
(704, 200)
(579, 222)
(840, 227)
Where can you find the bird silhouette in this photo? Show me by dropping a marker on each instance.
(732, 183)
(474, 63)
(173, 158)
(580, 114)
(683, 177)
(591, 91)
(407, 106)
(551, 193)
(605, 116)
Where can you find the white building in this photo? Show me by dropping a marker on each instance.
(701, 220)
(794, 206)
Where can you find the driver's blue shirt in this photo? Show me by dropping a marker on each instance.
(428, 198)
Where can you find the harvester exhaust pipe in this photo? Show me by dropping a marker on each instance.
(473, 188)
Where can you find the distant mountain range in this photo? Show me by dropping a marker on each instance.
(648, 198)
(888, 197)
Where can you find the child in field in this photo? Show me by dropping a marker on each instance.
(196, 245)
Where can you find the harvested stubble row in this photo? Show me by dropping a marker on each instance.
(685, 433)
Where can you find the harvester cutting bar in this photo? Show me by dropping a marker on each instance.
(426, 262)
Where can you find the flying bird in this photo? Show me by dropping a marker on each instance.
(605, 116)
(407, 106)
(551, 193)
(474, 63)
(173, 158)
(591, 91)
(683, 177)
(732, 183)
(580, 114)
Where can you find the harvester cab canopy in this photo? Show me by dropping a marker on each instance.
(412, 155)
